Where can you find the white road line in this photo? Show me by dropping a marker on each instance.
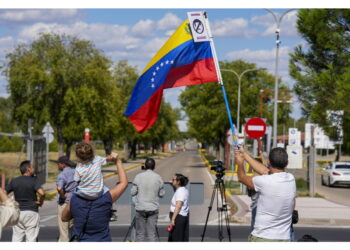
(49, 217)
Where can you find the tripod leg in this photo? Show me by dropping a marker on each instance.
(220, 211)
(209, 210)
(227, 220)
(130, 228)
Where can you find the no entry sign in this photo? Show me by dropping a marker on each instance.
(255, 127)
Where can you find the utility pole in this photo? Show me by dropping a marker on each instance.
(278, 42)
(30, 141)
(311, 165)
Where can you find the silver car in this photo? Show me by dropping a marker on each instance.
(336, 173)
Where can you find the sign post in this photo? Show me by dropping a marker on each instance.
(256, 128)
(48, 134)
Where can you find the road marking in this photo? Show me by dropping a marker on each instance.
(49, 217)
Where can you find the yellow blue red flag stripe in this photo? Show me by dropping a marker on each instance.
(180, 62)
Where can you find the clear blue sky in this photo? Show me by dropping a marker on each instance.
(137, 34)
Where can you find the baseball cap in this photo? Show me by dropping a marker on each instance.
(64, 159)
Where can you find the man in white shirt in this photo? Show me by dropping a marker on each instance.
(277, 191)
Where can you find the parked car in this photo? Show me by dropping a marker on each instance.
(336, 173)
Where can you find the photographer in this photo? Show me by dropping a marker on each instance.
(277, 191)
(147, 188)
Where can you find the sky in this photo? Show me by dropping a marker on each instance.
(135, 32)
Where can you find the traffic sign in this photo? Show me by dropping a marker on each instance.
(255, 127)
(47, 132)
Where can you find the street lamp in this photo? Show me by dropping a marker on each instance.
(278, 22)
(239, 76)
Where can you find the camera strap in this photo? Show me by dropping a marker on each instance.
(81, 233)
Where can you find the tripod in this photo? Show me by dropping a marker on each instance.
(219, 190)
(132, 225)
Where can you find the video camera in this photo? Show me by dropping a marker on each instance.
(218, 168)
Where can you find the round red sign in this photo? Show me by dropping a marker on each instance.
(255, 127)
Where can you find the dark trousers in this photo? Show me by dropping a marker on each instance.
(181, 229)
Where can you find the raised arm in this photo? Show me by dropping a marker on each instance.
(257, 166)
(118, 190)
(3, 196)
(242, 177)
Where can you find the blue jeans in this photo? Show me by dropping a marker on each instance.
(252, 221)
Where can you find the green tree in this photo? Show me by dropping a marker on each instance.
(6, 144)
(6, 122)
(164, 129)
(205, 107)
(63, 80)
(321, 67)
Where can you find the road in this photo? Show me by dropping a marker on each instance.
(238, 234)
(188, 163)
(338, 194)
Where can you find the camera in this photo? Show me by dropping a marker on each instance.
(143, 167)
(218, 168)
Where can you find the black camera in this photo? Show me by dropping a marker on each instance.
(218, 168)
(143, 167)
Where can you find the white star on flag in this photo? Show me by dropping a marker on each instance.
(154, 73)
(161, 65)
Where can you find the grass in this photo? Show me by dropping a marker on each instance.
(302, 189)
(9, 163)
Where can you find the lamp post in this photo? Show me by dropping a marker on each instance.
(239, 76)
(278, 42)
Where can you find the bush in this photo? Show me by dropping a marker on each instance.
(301, 184)
(53, 146)
(6, 144)
(17, 143)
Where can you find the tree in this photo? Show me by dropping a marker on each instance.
(164, 129)
(6, 122)
(321, 67)
(63, 80)
(205, 107)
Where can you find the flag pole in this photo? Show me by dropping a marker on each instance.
(218, 72)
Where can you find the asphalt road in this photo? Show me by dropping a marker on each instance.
(188, 163)
(338, 194)
(238, 234)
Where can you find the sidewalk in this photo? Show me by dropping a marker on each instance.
(312, 211)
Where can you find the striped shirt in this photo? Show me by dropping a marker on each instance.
(89, 178)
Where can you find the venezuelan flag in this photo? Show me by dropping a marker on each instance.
(180, 62)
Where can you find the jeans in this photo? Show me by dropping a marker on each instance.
(146, 226)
